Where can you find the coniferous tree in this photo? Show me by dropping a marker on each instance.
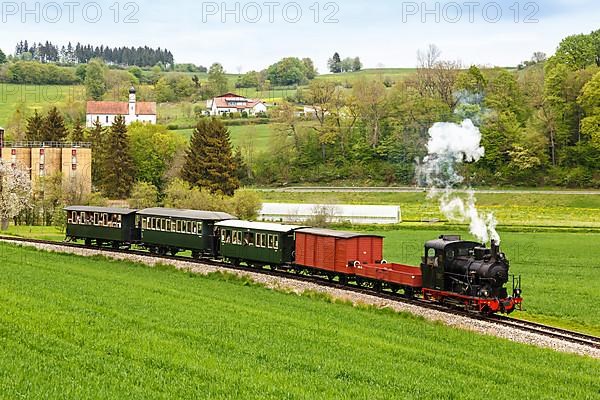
(35, 126)
(54, 129)
(209, 161)
(77, 134)
(118, 168)
(97, 135)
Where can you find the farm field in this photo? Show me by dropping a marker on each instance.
(36, 96)
(257, 136)
(511, 210)
(90, 328)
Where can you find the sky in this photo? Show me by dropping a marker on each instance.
(247, 35)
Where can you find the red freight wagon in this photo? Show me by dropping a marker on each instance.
(399, 274)
(337, 251)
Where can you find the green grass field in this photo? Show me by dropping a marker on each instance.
(35, 96)
(518, 210)
(89, 328)
(256, 136)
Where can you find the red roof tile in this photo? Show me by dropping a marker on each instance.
(119, 108)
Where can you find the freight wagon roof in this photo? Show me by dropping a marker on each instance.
(259, 226)
(108, 210)
(335, 234)
(186, 214)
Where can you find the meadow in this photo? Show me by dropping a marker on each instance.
(513, 210)
(90, 328)
(36, 96)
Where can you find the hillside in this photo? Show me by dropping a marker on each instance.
(90, 328)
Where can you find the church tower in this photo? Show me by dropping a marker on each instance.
(132, 103)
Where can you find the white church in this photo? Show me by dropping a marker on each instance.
(107, 111)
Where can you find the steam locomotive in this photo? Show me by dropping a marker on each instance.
(453, 272)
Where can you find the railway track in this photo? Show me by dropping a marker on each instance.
(582, 339)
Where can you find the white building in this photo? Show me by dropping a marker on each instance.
(232, 103)
(107, 111)
(336, 213)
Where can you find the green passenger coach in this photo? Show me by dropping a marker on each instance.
(258, 243)
(165, 230)
(102, 225)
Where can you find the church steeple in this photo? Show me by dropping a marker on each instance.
(132, 101)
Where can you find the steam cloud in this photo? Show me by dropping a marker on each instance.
(449, 146)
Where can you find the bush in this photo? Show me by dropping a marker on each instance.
(245, 204)
(143, 195)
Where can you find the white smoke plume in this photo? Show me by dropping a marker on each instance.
(450, 145)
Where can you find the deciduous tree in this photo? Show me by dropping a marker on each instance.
(95, 79)
(15, 192)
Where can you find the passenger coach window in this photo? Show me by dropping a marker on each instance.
(270, 244)
(276, 242)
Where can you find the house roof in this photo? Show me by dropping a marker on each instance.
(221, 102)
(120, 108)
(230, 95)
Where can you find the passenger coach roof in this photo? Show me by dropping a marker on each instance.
(186, 214)
(332, 233)
(259, 226)
(108, 210)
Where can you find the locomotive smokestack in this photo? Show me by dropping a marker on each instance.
(495, 250)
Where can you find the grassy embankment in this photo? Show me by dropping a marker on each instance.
(89, 328)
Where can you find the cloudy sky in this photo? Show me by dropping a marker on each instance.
(249, 35)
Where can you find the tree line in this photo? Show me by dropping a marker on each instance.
(80, 54)
(539, 125)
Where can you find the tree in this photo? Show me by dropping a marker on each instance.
(153, 150)
(217, 80)
(288, 71)
(35, 127)
(143, 195)
(347, 64)
(246, 204)
(311, 71)
(209, 161)
(95, 79)
(371, 105)
(590, 102)
(119, 172)
(335, 64)
(576, 52)
(97, 137)
(2, 57)
(15, 192)
(77, 134)
(163, 91)
(54, 129)
(356, 64)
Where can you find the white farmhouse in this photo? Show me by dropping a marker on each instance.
(232, 103)
(107, 111)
